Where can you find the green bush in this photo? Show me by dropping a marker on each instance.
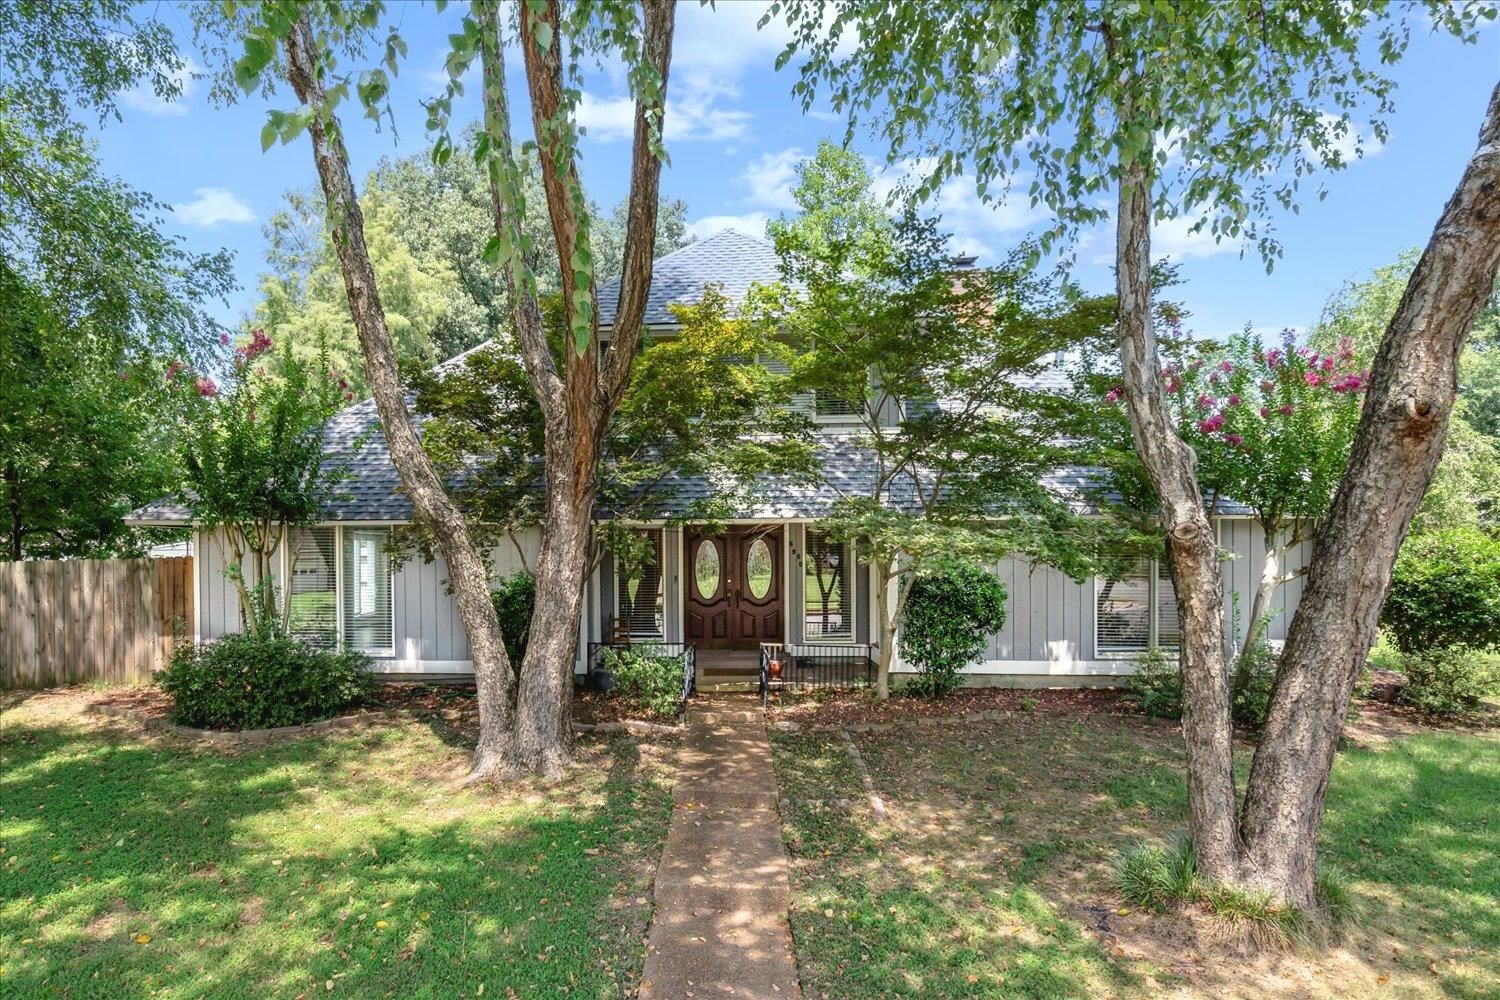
(1450, 681)
(1156, 684)
(947, 621)
(241, 682)
(646, 679)
(515, 600)
(1251, 702)
(1445, 591)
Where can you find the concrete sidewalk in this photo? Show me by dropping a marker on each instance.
(721, 890)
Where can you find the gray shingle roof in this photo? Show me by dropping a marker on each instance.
(727, 258)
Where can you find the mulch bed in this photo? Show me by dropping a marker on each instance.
(852, 708)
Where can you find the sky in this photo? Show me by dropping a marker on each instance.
(735, 133)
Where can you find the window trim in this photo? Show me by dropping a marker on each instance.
(1153, 618)
(851, 567)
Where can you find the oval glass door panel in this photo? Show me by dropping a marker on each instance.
(706, 569)
(759, 569)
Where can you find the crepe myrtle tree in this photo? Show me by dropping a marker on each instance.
(934, 371)
(314, 46)
(1271, 428)
(253, 462)
(1207, 112)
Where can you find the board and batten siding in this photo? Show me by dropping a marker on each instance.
(428, 636)
(1049, 625)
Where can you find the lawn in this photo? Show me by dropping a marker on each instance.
(990, 878)
(350, 864)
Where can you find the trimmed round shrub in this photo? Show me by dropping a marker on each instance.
(241, 682)
(646, 679)
(1450, 681)
(1445, 591)
(947, 621)
(515, 600)
(1156, 684)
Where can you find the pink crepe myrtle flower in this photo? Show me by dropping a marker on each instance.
(1169, 369)
(1286, 411)
(1267, 385)
(348, 397)
(1197, 363)
(224, 339)
(124, 375)
(1273, 359)
(1173, 385)
(174, 368)
(1234, 399)
(1212, 424)
(1226, 366)
(1305, 352)
(1113, 395)
(1328, 364)
(206, 387)
(1205, 401)
(259, 343)
(1314, 379)
(1234, 439)
(343, 383)
(1213, 379)
(1265, 411)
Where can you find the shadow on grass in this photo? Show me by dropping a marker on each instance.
(135, 868)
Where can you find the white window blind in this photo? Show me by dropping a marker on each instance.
(312, 562)
(1137, 612)
(367, 590)
(827, 598)
(638, 593)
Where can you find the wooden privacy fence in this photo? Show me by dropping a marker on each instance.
(79, 620)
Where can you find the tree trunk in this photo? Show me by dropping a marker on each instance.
(1170, 463)
(577, 405)
(888, 623)
(17, 534)
(466, 570)
(1413, 385)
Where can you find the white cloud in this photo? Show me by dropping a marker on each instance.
(694, 118)
(213, 206)
(974, 223)
(1171, 238)
(1342, 141)
(142, 98)
(771, 177)
(751, 224)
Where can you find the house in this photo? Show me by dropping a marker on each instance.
(771, 578)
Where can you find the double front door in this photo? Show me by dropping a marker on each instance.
(734, 586)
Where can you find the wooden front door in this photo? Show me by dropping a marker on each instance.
(734, 587)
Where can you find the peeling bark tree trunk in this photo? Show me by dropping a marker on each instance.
(466, 569)
(1171, 464)
(578, 403)
(1400, 438)
(1271, 578)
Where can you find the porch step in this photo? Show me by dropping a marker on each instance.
(729, 687)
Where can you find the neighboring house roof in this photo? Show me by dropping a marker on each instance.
(728, 258)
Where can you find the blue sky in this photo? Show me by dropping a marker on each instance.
(734, 133)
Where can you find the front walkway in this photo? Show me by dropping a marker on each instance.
(721, 891)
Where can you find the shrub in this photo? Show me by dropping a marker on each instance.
(1251, 702)
(244, 682)
(1445, 591)
(948, 618)
(1450, 681)
(1156, 684)
(1154, 876)
(515, 600)
(646, 679)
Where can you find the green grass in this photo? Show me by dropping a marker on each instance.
(138, 867)
(993, 877)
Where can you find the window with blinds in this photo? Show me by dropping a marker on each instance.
(827, 594)
(1137, 612)
(368, 626)
(312, 564)
(828, 405)
(639, 599)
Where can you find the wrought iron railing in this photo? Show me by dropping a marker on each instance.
(805, 666)
(686, 653)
